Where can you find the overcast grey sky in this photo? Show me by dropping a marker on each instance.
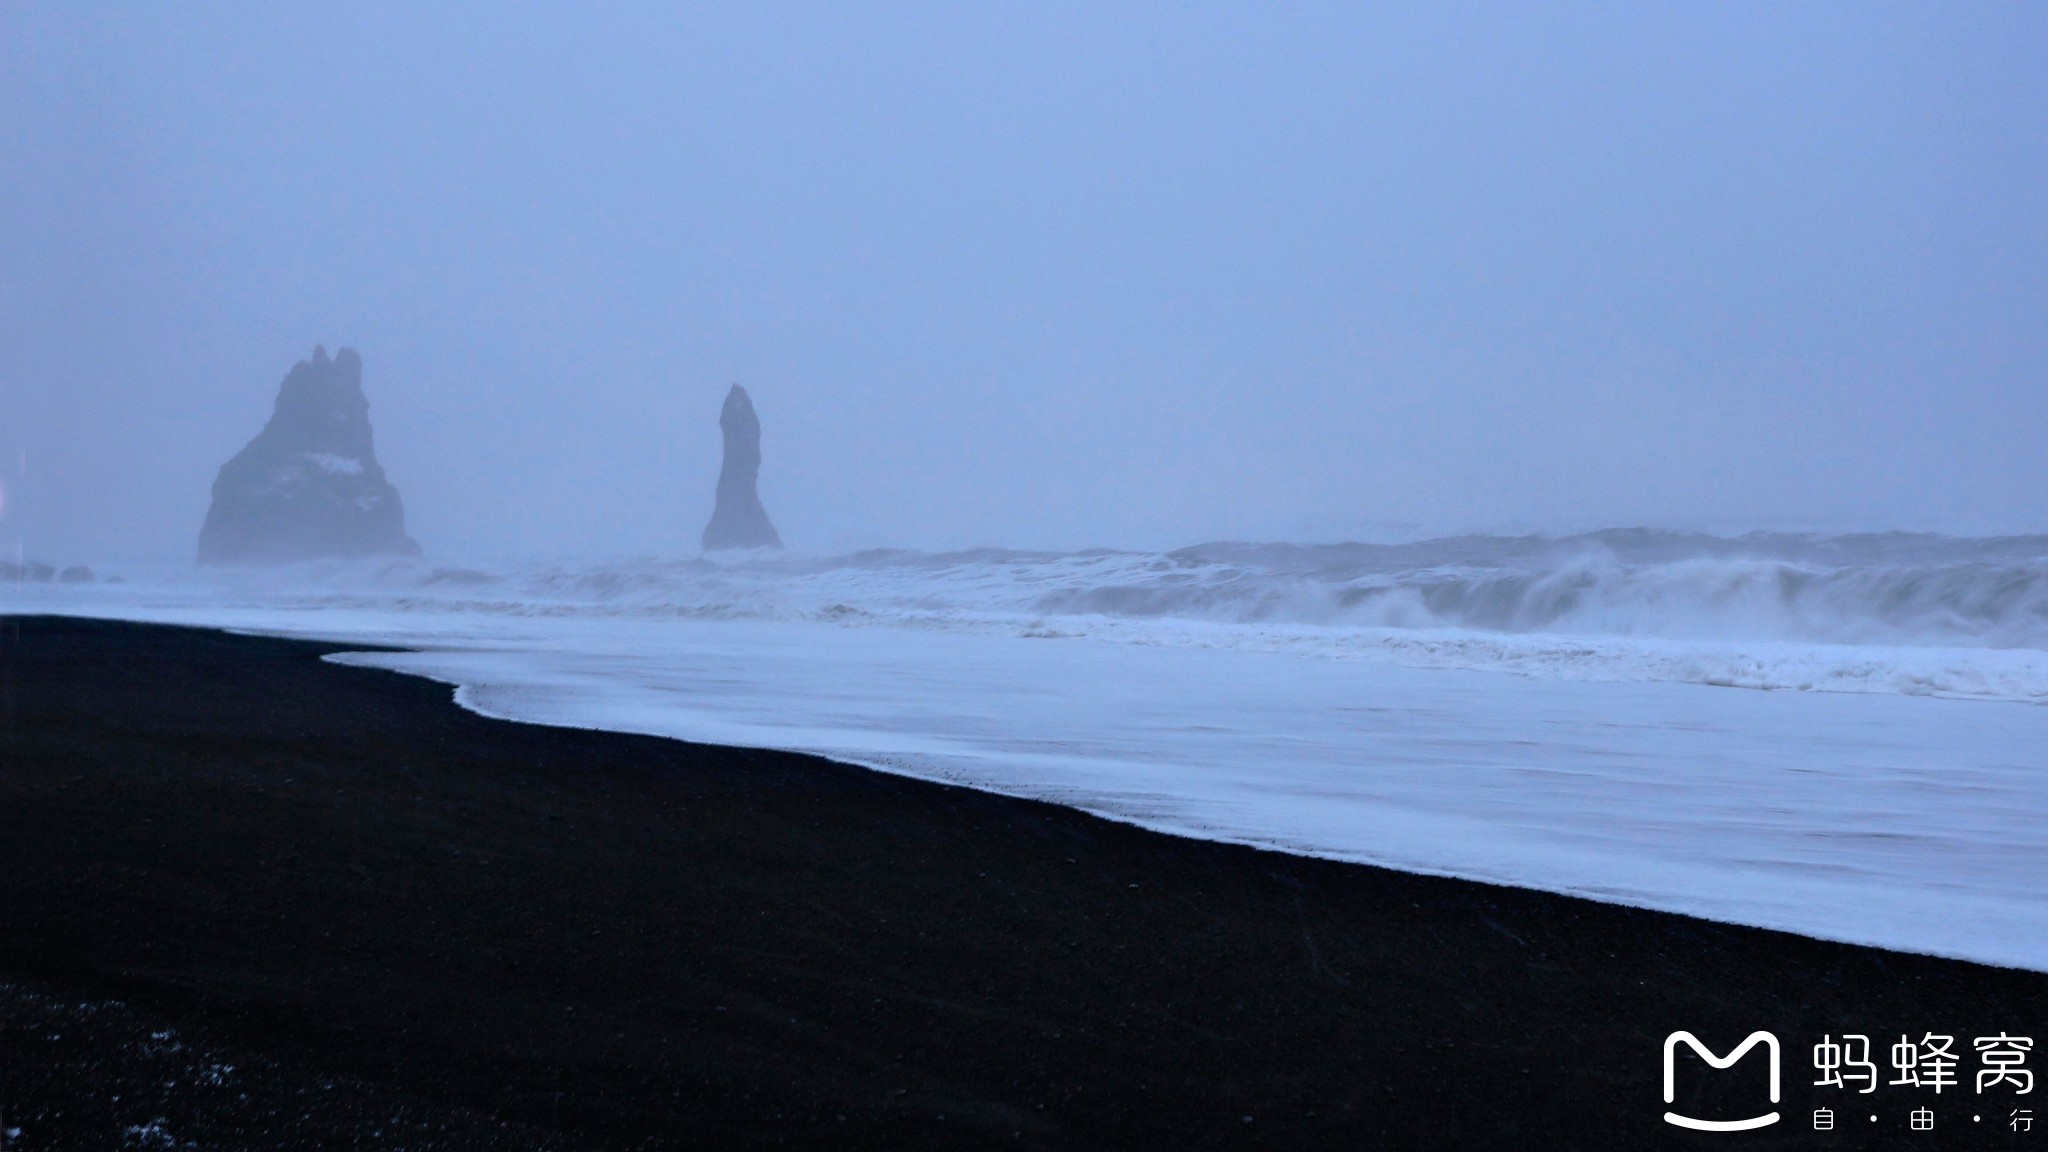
(1035, 274)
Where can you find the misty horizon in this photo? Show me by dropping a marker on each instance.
(1051, 279)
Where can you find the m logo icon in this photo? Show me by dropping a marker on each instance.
(1671, 1043)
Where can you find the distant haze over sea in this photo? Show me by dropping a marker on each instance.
(1047, 276)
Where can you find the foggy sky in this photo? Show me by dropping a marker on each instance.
(1036, 274)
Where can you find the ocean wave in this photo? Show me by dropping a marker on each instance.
(1888, 590)
(1896, 613)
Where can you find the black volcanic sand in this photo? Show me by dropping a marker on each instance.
(249, 899)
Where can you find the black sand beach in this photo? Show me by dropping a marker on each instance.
(252, 900)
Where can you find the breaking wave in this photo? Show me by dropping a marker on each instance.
(1896, 612)
(1893, 589)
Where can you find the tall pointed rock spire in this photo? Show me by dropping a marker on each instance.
(739, 520)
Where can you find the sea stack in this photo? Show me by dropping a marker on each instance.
(308, 487)
(739, 521)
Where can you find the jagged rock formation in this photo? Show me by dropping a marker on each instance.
(308, 486)
(739, 521)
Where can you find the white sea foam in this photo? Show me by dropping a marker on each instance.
(1914, 615)
(1328, 701)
